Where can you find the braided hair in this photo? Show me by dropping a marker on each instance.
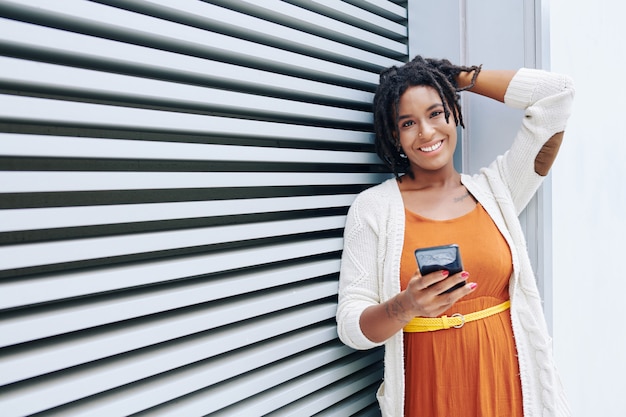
(439, 74)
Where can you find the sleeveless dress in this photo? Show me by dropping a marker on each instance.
(472, 371)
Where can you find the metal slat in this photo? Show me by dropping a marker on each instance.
(81, 383)
(125, 90)
(76, 15)
(248, 404)
(312, 402)
(300, 34)
(313, 387)
(59, 217)
(54, 287)
(358, 16)
(352, 405)
(323, 27)
(207, 399)
(18, 365)
(386, 8)
(372, 411)
(75, 49)
(58, 146)
(38, 325)
(53, 322)
(42, 181)
(46, 253)
(39, 111)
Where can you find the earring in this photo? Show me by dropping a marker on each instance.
(400, 151)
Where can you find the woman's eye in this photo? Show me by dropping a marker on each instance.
(407, 123)
(436, 113)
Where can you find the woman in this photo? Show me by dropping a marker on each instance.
(499, 364)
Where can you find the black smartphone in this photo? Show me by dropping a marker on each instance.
(437, 258)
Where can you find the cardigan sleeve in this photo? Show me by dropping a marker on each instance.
(359, 285)
(546, 99)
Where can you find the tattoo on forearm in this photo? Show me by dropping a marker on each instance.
(396, 310)
(461, 198)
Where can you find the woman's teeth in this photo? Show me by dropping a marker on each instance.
(432, 148)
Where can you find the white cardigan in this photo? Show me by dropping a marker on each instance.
(374, 236)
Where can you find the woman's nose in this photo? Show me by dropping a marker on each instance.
(426, 131)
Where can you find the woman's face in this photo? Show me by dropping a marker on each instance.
(425, 136)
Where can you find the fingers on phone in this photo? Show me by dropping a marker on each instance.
(457, 282)
(471, 285)
(438, 276)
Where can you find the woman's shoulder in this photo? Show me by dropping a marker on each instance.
(379, 193)
(376, 198)
(375, 207)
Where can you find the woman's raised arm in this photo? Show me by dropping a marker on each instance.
(489, 83)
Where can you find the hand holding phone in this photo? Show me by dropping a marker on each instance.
(437, 258)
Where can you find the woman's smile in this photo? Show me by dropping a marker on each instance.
(432, 148)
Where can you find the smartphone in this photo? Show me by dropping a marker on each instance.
(437, 258)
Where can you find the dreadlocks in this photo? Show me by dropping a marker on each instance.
(439, 74)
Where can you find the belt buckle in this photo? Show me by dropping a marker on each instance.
(458, 326)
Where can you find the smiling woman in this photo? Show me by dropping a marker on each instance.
(440, 76)
(484, 366)
(427, 138)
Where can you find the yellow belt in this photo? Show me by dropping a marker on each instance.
(427, 324)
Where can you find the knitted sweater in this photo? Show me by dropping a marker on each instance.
(374, 236)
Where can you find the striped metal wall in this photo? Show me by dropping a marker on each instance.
(174, 179)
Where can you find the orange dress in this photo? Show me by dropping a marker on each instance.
(471, 371)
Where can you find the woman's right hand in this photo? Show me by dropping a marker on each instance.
(422, 298)
(425, 297)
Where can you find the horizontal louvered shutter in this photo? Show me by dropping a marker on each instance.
(174, 182)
